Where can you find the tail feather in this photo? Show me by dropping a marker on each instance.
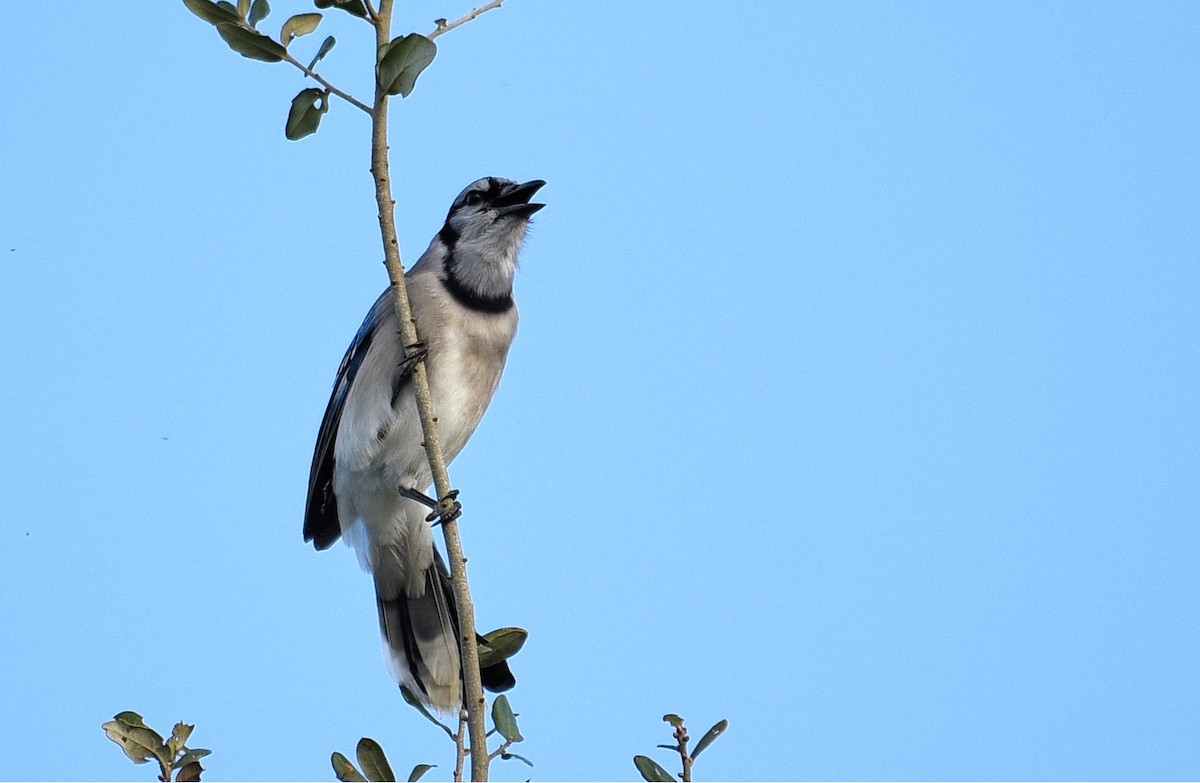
(421, 636)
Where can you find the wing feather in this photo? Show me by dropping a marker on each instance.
(321, 524)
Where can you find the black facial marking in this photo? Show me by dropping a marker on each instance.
(448, 235)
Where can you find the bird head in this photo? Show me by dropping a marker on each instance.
(489, 218)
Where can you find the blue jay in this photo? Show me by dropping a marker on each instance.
(370, 466)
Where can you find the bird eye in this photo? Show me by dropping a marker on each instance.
(474, 198)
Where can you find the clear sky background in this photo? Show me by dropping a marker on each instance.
(856, 398)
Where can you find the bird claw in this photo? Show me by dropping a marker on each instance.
(417, 352)
(447, 509)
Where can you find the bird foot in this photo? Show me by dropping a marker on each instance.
(445, 510)
(448, 509)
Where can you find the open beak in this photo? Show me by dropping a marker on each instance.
(515, 200)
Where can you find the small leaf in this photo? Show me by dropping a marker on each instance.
(505, 721)
(210, 12)
(243, 8)
(517, 756)
(189, 772)
(225, 5)
(326, 47)
(416, 704)
(668, 747)
(401, 62)
(710, 735)
(305, 115)
(259, 11)
(344, 770)
(374, 762)
(190, 755)
(129, 718)
(300, 24)
(502, 644)
(651, 771)
(140, 742)
(179, 737)
(250, 44)
(419, 771)
(673, 719)
(355, 7)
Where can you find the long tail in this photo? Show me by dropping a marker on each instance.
(421, 636)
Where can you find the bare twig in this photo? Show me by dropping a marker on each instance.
(500, 751)
(473, 690)
(681, 737)
(460, 747)
(321, 80)
(444, 27)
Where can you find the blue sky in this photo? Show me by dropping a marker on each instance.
(856, 398)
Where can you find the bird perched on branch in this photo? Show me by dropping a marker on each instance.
(370, 467)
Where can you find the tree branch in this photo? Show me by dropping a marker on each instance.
(444, 27)
(460, 748)
(685, 758)
(321, 80)
(473, 689)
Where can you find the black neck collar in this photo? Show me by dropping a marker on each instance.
(472, 299)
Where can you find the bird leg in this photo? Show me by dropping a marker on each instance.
(445, 510)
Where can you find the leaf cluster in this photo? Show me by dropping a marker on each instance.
(652, 771)
(142, 743)
(398, 62)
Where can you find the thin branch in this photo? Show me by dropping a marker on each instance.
(500, 751)
(314, 75)
(460, 747)
(473, 689)
(444, 27)
(681, 737)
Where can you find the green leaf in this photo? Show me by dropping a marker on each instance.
(502, 644)
(517, 756)
(305, 115)
(259, 11)
(210, 12)
(243, 8)
(355, 7)
(189, 772)
(190, 755)
(225, 5)
(504, 720)
(326, 46)
(250, 44)
(710, 735)
(344, 770)
(140, 742)
(179, 737)
(374, 762)
(651, 771)
(419, 771)
(129, 718)
(416, 704)
(298, 25)
(673, 719)
(401, 62)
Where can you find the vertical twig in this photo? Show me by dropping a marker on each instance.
(473, 689)
(681, 737)
(460, 748)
